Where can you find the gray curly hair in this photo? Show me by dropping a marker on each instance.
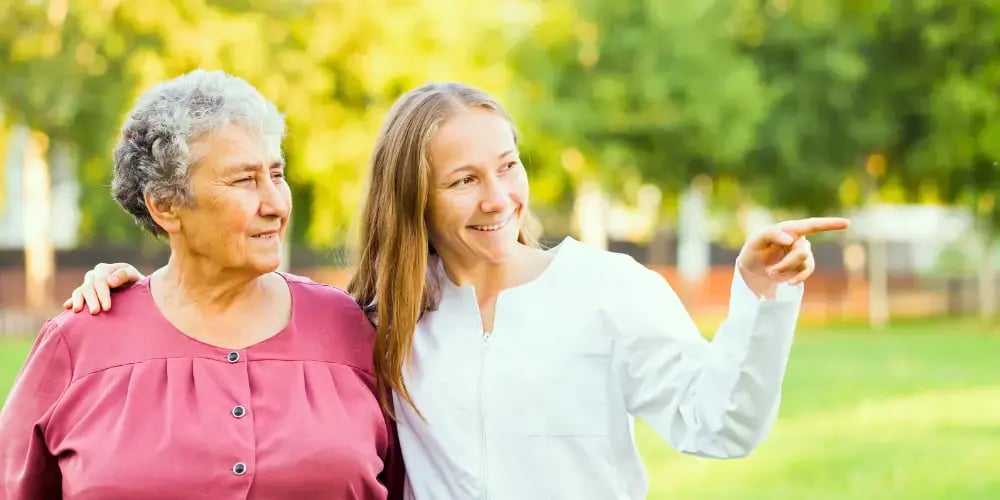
(154, 153)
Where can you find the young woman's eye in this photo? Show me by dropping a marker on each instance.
(509, 165)
(464, 181)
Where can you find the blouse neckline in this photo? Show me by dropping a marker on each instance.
(144, 287)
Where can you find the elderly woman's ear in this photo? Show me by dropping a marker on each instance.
(163, 213)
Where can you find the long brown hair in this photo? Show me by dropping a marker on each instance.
(391, 281)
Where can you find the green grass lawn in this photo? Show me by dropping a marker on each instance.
(910, 413)
(12, 354)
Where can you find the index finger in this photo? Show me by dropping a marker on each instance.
(802, 227)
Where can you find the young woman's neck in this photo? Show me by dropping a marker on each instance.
(491, 278)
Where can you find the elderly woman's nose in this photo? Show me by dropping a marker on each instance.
(273, 201)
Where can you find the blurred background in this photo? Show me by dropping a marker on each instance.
(667, 130)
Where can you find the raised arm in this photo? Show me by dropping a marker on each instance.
(718, 398)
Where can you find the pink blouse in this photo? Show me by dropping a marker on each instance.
(123, 405)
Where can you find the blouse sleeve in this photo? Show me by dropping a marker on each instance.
(714, 399)
(27, 469)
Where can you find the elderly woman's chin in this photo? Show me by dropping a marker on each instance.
(264, 254)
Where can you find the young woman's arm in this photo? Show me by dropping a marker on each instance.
(715, 399)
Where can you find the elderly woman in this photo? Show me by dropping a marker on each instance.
(214, 377)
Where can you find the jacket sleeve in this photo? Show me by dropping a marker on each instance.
(715, 398)
(27, 469)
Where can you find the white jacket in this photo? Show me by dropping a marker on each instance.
(542, 408)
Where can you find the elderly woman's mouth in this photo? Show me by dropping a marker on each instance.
(267, 235)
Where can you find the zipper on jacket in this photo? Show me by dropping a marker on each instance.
(482, 414)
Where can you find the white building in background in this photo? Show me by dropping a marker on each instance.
(923, 231)
(64, 194)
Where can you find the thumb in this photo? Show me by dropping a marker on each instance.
(773, 235)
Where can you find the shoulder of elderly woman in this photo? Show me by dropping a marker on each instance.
(333, 319)
(96, 342)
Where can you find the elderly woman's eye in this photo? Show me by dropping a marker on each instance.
(244, 180)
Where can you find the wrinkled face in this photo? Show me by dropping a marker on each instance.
(478, 189)
(241, 202)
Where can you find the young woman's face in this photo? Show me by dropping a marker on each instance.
(478, 189)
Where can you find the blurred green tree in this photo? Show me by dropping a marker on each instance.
(72, 69)
(652, 90)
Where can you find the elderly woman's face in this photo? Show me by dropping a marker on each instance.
(241, 202)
